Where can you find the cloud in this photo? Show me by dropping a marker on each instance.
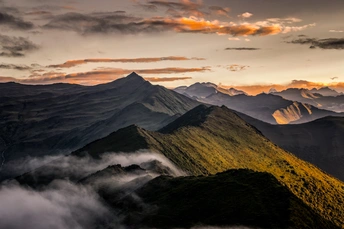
(234, 38)
(245, 15)
(101, 75)
(183, 7)
(166, 79)
(219, 10)
(15, 67)
(236, 67)
(14, 22)
(15, 46)
(62, 205)
(75, 168)
(39, 13)
(328, 43)
(125, 24)
(73, 63)
(70, 201)
(336, 31)
(243, 49)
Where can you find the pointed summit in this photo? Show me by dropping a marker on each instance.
(134, 75)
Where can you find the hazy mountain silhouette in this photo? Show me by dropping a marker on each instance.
(266, 107)
(324, 98)
(59, 118)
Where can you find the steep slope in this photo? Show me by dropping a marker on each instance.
(324, 98)
(68, 118)
(210, 140)
(269, 108)
(235, 197)
(319, 142)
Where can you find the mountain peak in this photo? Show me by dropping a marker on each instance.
(200, 115)
(134, 75)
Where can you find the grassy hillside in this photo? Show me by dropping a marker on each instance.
(208, 140)
(235, 197)
(319, 142)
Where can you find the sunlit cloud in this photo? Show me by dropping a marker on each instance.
(103, 75)
(166, 79)
(73, 63)
(236, 67)
(245, 15)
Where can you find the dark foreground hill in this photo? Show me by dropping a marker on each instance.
(54, 119)
(208, 140)
(235, 197)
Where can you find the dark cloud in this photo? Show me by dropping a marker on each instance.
(219, 10)
(14, 22)
(15, 67)
(126, 24)
(243, 49)
(15, 46)
(328, 43)
(187, 8)
(96, 23)
(148, 7)
(237, 67)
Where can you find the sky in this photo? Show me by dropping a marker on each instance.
(247, 44)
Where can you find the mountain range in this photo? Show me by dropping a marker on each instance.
(323, 98)
(150, 155)
(210, 140)
(57, 119)
(269, 108)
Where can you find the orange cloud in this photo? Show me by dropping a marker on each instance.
(236, 67)
(200, 25)
(103, 75)
(73, 63)
(166, 79)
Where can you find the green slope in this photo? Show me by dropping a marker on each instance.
(319, 142)
(235, 197)
(208, 140)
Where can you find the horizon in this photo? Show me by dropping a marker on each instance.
(245, 89)
(248, 46)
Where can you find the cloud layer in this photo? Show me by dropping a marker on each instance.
(327, 43)
(73, 63)
(15, 46)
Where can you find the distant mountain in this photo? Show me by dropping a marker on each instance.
(319, 142)
(209, 140)
(324, 98)
(326, 91)
(203, 90)
(269, 108)
(55, 119)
